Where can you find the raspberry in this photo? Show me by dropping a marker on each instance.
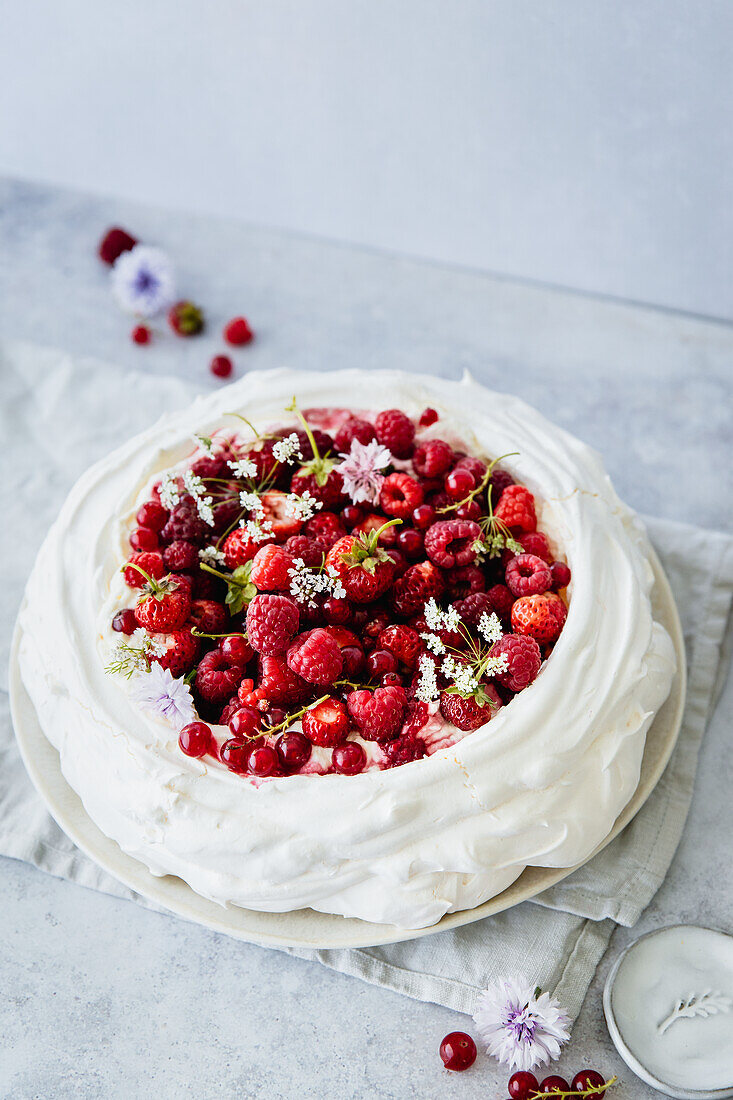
(281, 514)
(465, 581)
(396, 432)
(185, 318)
(237, 332)
(404, 642)
(279, 684)
(352, 429)
(473, 607)
(164, 607)
(181, 654)
(114, 242)
(416, 718)
(327, 724)
(378, 714)
(271, 623)
(329, 493)
(501, 600)
(270, 569)
(216, 680)
(524, 657)
(209, 616)
(221, 366)
(184, 523)
(541, 617)
(400, 493)
(428, 417)
(469, 714)
(560, 575)
(536, 543)
(141, 335)
(449, 543)
(527, 575)
(327, 527)
(180, 556)
(239, 548)
(151, 562)
(516, 509)
(152, 514)
(310, 551)
(316, 657)
(433, 459)
(415, 587)
(404, 750)
(498, 482)
(211, 466)
(228, 712)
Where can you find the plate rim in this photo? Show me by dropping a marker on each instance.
(174, 895)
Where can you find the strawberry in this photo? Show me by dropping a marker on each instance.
(271, 567)
(239, 547)
(151, 561)
(378, 714)
(185, 318)
(209, 616)
(180, 656)
(412, 591)
(326, 527)
(281, 514)
(328, 723)
(541, 617)
(163, 606)
(470, 713)
(364, 568)
(320, 479)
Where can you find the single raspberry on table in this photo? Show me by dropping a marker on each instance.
(528, 575)
(469, 714)
(114, 242)
(535, 542)
(473, 607)
(396, 432)
(542, 617)
(279, 683)
(239, 547)
(501, 600)
(209, 616)
(415, 587)
(216, 679)
(325, 526)
(516, 509)
(163, 605)
(404, 642)
(184, 523)
(185, 318)
(151, 561)
(428, 417)
(327, 724)
(271, 623)
(433, 459)
(450, 543)
(271, 567)
(404, 750)
(378, 714)
(237, 332)
(309, 550)
(524, 659)
(181, 652)
(351, 429)
(399, 495)
(181, 556)
(316, 657)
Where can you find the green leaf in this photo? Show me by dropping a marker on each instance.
(240, 590)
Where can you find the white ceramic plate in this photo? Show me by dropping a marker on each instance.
(305, 927)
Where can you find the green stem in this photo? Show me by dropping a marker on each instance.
(592, 1090)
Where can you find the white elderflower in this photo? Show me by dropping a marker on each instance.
(142, 281)
(304, 506)
(496, 665)
(251, 502)
(464, 679)
(211, 556)
(361, 470)
(243, 467)
(193, 484)
(337, 589)
(287, 450)
(433, 615)
(169, 698)
(168, 492)
(427, 685)
(257, 529)
(451, 619)
(434, 644)
(204, 505)
(490, 627)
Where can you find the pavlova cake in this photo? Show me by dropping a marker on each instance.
(369, 643)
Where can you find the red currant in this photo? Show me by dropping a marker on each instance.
(553, 1083)
(152, 515)
(522, 1085)
(143, 538)
(245, 722)
(275, 716)
(353, 660)
(410, 542)
(195, 739)
(349, 758)
(294, 750)
(141, 334)
(124, 622)
(263, 761)
(459, 483)
(381, 661)
(586, 1079)
(428, 417)
(391, 679)
(458, 1051)
(234, 754)
(352, 515)
(471, 510)
(235, 650)
(423, 516)
(336, 612)
(560, 573)
(221, 366)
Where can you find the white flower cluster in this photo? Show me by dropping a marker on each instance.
(195, 486)
(138, 651)
(307, 583)
(304, 506)
(494, 666)
(287, 450)
(461, 674)
(490, 627)
(427, 685)
(256, 529)
(465, 675)
(251, 502)
(168, 492)
(243, 467)
(211, 556)
(437, 619)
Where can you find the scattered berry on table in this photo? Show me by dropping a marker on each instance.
(185, 318)
(221, 366)
(554, 1083)
(587, 1079)
(237, 332)
(141, 335)
(458, 1051)
(522, 1085)
(114, 242)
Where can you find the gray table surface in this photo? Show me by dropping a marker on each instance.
(101, 998)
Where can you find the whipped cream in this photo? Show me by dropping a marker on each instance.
(541, 784)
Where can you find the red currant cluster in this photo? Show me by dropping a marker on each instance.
(589, 1082)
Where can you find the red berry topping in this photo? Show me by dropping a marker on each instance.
(348, 759)
(536, 543)
(470, 510)
(404, 642)
(221, 366)
(365, 569)
(554, 1083)
(279, 684)
(294, 751)
(527, 575)
(143, 538)
(501, 599)
(281, 514)
(141, 335)
(400, 493)
(352, 429)
(216, 679)
(164, 606)
(541, 617)
(239, 548)
(271, 623)
(185, 523)
(404, 750)
(336, 612)
(236, 650)
(522, 1085)
(234, 754)
(411, 542)
(327, 723)
(423, 516)
(560, 575)
(237, 332)
(152, 515)
(114, 242)
(516, 509)
(498, 482)
(181, 653)
(326, 527)
(588, 1079)
(466, 581)
(185, 318)
(473, 607)
(151, 562)
(433, 459)
(309, 550)
(316, 657)
(428, 417)
(474, 465)
(124, 622)
(524, 657)
(380, 663)
(459, 483)
(378, 714)
(195, 739)
(329, 492)
(263, 761)
(209, 616)
(458, 1051)
(271, 567)
(469, 714)
(246, 722)
(417, 585)
(396, 432)
(181, 556)
(449, 543)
